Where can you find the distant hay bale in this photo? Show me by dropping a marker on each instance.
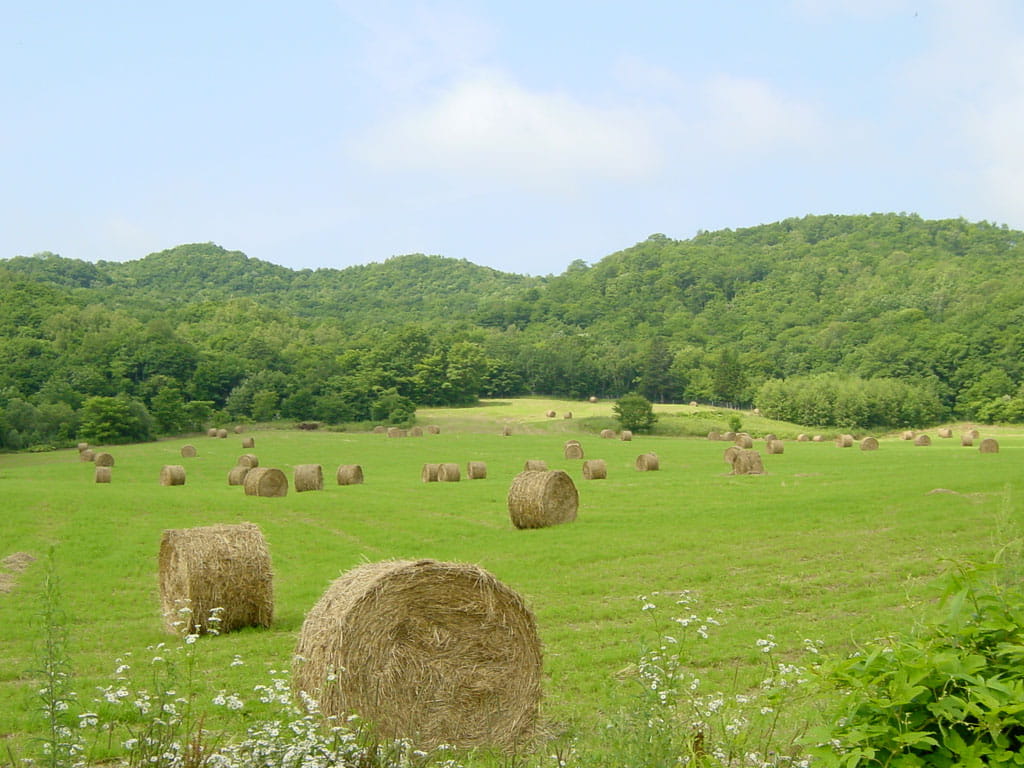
(550, 414)
(266, 481)
(818, 439)
(239, 429)
(249, 442)
(249, 460)
(309, 477)
(593, 399)
(775, 447)
(714, 435)
(86, 454)
(966, 440)
(922, 440)
(222, 433)
(476, 470)
(647, 462)
(869, 444)
(744, 440)
(448, 472)
(595, 469)
(573, 450)
(188, 451)
(844, 441)
(802, 438)
(211, 432)
(730, 454)
(945, 432)
(747, 462)
(567, 415)
(103, 474)
(908, 434)
(433, 429)
(608, 434)
(537, 499)
(506, 431)
(416, 432)
(82, 447)
(172, 474)
(439, 653)
(535, 465)
(380, 429)
(769, 437)
(974, 433)
(350, 474)
(989, 445)
(222, 568)
(103, 459)
(729, 436)
(394, 432)
(428, 474)
(626, 436)
(757, 411)
(693, 403)
(237, 474)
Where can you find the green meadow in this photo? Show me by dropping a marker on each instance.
(831, 544)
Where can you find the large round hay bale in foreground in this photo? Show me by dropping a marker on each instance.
(747, 462)
(350, 474)
(266, 481)
(103, 459)
(172, 474)
(248, 442)
(188, 451)
(429, 473)
(647, 462)
(216, 566)
(86, 454)
(440, 653)
(535, 465)
(309, 477)
(237, 474)
(448, 472)
(537, 499)
(989, 445)
(869, 444)
(595, 469)
(103, 474)
(922, 440)
(573, 450)
(250, 460)
(476, 470)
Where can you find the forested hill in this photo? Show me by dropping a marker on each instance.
(936, 306)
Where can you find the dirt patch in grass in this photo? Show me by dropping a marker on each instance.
(14, 564)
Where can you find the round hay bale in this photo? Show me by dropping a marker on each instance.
(608, 434)
(506, 431)
(908, 434)
(309, 477)
(975, 434)
(224, 567)
(537, 499)
(693, 403)
(769, 437)
(730, 454)
(818, 439)
(626, 436)
(222, 433)
(172, 474)
(476, 470)
(989, 445)
(86, 454)
(249, 442)
(82, 447)
(266, 481)
(966, 440)
(729, 436)
(249, 460)
(429, 473)
(550, 414)
(775, 447)
(802, 438)
(350, 474)
(744, 441)
(103, 474)
(440, 653)
(595, 469)
(714, 435)
(188, 451)
(747, 462)
(535, 465)
(567, 415)
(592, 399)
(103, 460)
(945, 432)
(211, 432)
(922, 440)
(416, 432)
(845, 441)
(239, 429)
(757, 411)
(395, 432)
(448, 472)
(869, 444)
(237, 474)
(647, 462)
(573, 450)
(380, 429)
(433, 429)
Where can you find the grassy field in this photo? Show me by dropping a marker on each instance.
(832, 544)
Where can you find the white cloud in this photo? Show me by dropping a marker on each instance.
(487, 125)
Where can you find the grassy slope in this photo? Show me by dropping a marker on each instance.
(832, 543)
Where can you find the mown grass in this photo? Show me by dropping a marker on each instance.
(832, 544)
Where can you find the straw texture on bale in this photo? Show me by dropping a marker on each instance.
(249, 460)
(266, 481)
(86, 454)
(394, 432)
(595, 469)
(535, 465)
(222, 433)
(714, 435)
(429, 473)
(945, 432)
(102, 474)
(775, 447)
(440, 653)
(448, 472)
(380, 429)
(476, 470)
(802, 438)
(922, 440)
(845, 441)
(550, 414)
(573, 450)
(730, 454)
(172, 474)
(350, 474)
(626, 435)
(416, 432)
(237, 474)
(869, 444)
(103, 459)
(188, 451)
(989, 445)
(647, 462)
(211, 432)
(966, 440)
(248, 442)
(217, 566)
(433, 429)
(309, 477)
(608, 434)
(744, 440)
(82, 447)
(818, 439)
(537, 499)
(747, 462)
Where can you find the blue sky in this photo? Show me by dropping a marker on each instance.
(517, 135)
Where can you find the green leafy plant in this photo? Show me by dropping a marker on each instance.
(635, 412)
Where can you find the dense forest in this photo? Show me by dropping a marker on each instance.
(849, 321)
